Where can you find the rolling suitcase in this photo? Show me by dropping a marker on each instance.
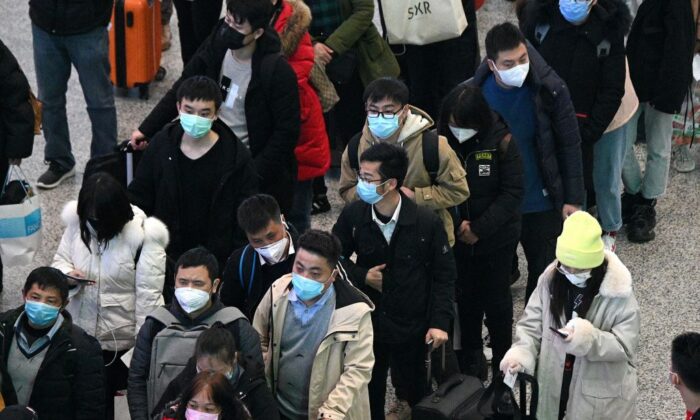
(121, 164)
(134, 44)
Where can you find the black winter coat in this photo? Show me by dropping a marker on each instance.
(250, 390)
(419, 278)
(155, 189)
(557, 138)
(243, 333)
(660, 50)
(271, 108)
(495, 178)
(70, 381)
(70, 17)
(16, 113)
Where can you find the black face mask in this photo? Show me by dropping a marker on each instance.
(231, 38)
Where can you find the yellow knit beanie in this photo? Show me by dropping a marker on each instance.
(580, 245)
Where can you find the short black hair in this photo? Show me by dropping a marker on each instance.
(47, 278)
(393, 161)
(467, 107)
(218, 342)
(685, 359)
(256, 212)
(257, 12)
(386, 88)
(199, 257)
(321, 243)
(502, 37)
(200, 88)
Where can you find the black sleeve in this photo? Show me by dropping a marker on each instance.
(137, 395)
(248, 341)
(262, 404)
(232, 294)
(567, 141)
(247, 181)
(510, 195)
(142, 190)
(89, 382)
(16, 113)
(444, 276)
(343, 229)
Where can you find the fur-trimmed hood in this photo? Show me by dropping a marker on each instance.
(295, 17)
(617, 282)
(614, 14)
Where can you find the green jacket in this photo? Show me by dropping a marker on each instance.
(357, 31)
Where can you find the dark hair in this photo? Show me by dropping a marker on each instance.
(386, 88)
(200, 88)
(467, 107)
(104, 199)
(321, 243)
(220, 392)
(257, 12)
(217, 341)
(685, 359)
(393, 161)
(256, 212)
(198, 257)
(503, 37)
(559, 289)
(47, 278)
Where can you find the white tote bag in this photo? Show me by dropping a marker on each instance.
(421, 22)
(20, 226)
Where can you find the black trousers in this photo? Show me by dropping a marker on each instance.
(195, 21)
(483, 288)
(539, 240)
(116, 375)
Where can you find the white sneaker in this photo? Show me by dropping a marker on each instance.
(683, 161)
(609, 241)
(399, 410)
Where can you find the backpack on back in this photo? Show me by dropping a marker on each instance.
(174, 345)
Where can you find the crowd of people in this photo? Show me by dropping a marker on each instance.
(201, 288)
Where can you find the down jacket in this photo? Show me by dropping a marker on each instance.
(16, 114)
(604, 378)
(129, 286)
(344, 360)
(313, 149)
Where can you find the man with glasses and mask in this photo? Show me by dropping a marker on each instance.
(259, 90)
(252, 269)
(535, 102)
(405, 265)
(390, 119)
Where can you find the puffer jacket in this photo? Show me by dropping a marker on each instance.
(451, 188)
(313, 151)
(70, 17)
(16, 114)
(604, 378)
(129, 275)
(344, 360)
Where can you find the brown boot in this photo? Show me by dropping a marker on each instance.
(166, 38)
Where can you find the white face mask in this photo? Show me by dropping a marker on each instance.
(462, 134)
(191, 300)
(515, 76)
(577, 279)
(274, 252)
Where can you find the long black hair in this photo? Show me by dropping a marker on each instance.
(464, 106)
(103, 202)
(220, 392)
(559, 289)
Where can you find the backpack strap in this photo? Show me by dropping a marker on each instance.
(541, 31)
(353, 148)
(226, 316)
(163, 315)
(431, 154)
(240, 271)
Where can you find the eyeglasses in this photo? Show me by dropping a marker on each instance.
(368, 180)
(385, 114)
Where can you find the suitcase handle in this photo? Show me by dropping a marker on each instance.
(447, 386)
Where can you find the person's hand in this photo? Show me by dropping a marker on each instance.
(408, 193)
(323, 53)
(374, 277)
(15, 162)
(569, 331)
(510, 365)
(465, 233)
(438, 336)
(569, 209)
(138, 140)
(77, 274)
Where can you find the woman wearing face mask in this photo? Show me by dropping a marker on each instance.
(215, 351)
(488, 225)
(580, 330)
(115, 257)
(209, 396)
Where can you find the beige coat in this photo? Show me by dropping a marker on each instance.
(604, 379)
(344, 359)
(451, 189)
(628, 106)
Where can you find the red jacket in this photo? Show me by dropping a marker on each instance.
(313, 149)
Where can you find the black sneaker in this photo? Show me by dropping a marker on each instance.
(54, 176)
(641, 227)
(320, 204)
(629, 203)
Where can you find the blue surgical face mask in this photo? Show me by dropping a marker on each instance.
(368, 192)
(307, 289)
(575, 11)
(383, 126)
(195, 126)
(40, 314)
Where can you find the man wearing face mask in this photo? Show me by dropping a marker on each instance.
(259, 90)
(390, 119)
(316, 330)
(196, 305)
(49, 363)
(252, 269)
(194, 176)
(535, 102)
(405, 265)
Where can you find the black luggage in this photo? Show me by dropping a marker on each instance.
(498, 401)
(121, 164)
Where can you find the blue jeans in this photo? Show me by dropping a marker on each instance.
(300, 215)
(608, 158)
(659, 126)
(89, 53)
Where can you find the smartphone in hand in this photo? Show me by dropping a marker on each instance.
(559, 333)
(81, 280)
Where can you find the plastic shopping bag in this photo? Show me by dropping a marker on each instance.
(686, 124)
(20, 223)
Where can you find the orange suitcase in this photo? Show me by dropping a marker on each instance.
(134, 44)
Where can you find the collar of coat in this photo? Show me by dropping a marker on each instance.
(408, 215)
(292, 24)
(617, 282)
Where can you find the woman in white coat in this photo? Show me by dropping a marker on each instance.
(580, 331)
(120, 254)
